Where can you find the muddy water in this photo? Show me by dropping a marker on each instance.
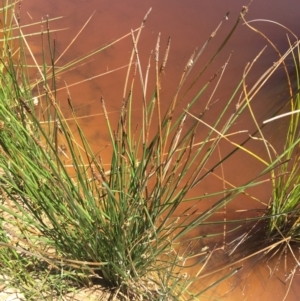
(189, 24)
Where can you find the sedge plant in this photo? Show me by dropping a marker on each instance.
(62, 228)
(284, 205)
(275, 234)
(282, 212)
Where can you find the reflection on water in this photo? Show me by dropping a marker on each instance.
(189, 24)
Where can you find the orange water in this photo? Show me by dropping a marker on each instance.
(189, 24)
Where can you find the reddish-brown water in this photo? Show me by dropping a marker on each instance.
(189, 23)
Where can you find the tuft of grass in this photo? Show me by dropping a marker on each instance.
(92, 223)
(285, 203)
(275, 233)
(283, 209)
(62, 228)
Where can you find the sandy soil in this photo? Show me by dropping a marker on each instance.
(97, 293)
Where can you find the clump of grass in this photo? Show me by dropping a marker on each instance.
(115, 224)
(276, 233)
(285, 203)
(283, 208)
